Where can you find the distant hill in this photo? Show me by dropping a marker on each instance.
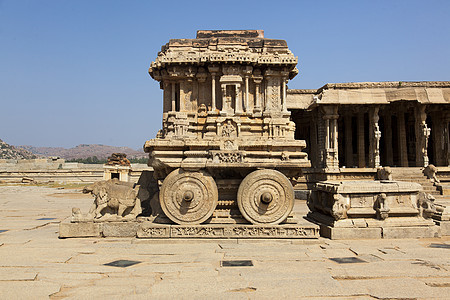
(84, 151)
(10, 152)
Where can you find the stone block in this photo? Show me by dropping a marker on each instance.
(349, 233)
(445, 227)
(444, 189)
(411, 232)
(120, 229)
(360, 223)
(71, 230)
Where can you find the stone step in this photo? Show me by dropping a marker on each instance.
(419, 177)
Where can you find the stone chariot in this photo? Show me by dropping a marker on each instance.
(226, 152)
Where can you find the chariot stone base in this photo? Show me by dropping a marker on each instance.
(147, 229)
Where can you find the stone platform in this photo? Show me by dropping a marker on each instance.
(367, 228)
(372, 209)
(146, 229)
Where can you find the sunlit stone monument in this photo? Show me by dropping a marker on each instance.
(226, 154)
(232, 143)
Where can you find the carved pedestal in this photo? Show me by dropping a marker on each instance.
(372, 209)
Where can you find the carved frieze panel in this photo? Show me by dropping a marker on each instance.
(273, 97)
(361, 200)
(151, 230)
(227, 156)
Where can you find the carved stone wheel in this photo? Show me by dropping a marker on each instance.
(188, 197)
(265, 197)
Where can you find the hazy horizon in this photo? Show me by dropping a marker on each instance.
(97, 144)
(75, 72)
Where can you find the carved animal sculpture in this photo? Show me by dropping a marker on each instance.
(431, 172)
(384, 173)
(426, 205)
(116, 197)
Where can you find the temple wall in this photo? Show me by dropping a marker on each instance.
(13, 171)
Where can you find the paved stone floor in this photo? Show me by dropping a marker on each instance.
(35, 264)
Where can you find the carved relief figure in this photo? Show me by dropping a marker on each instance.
(381, 206)
(228, 129)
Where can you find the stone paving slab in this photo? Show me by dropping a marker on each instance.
(35, 264)
(16, 274)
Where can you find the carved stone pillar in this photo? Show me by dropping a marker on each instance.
(361, 146)
(272, 93)
(173, 97)
(331, 137)
(314, 138)
(201, 78)
(195, 103)
(377, 143)
(374, 138)
(402, 139)
(225, 103)
(246, 94)
(284, 79)
(167, 105)
(426, 133)
(388, 139)
(213, 70)
(185, 99)
(247, 74)
(348, 141)
(422, 135)
(257, 80)
(213, 92)
(238, 100)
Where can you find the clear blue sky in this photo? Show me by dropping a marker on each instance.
(75, 72)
